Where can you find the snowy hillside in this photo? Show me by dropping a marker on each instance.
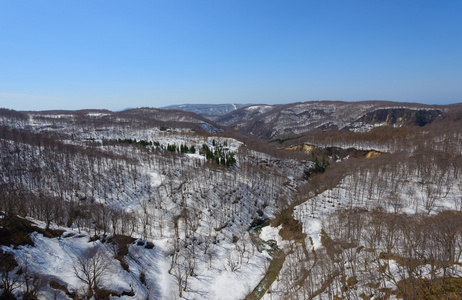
(195, 211)
(152, 204)
(270, 122)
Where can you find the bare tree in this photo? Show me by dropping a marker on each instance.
(232, 261)
(91, 267)
(183, 270)
(9, 280)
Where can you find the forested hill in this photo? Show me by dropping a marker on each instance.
(269, 122)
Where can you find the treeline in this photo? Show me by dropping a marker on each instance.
(218, 153)
(6, 115)
(143, 143)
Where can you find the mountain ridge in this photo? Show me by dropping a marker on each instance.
(207, 110)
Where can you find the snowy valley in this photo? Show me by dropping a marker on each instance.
(317, 200)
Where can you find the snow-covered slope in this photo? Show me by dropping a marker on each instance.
(195, 212)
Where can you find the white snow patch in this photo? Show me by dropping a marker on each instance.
(272, 233)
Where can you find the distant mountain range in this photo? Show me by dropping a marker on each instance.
(207, 110)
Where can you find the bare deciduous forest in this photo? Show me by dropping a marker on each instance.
(316, 200)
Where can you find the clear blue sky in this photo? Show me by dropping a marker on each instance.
(116, 54)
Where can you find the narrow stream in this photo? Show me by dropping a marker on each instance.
(275, 266)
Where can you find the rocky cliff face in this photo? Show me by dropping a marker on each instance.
(400, 116)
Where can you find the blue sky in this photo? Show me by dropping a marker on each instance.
(117, 54)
